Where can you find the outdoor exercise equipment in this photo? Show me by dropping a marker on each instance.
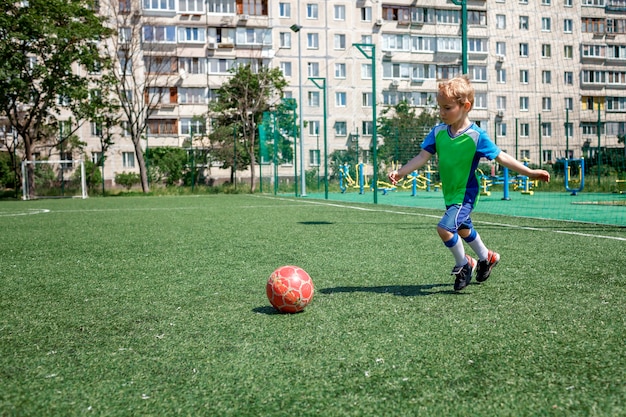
(568, 175)
(413, 181)
(346, 180)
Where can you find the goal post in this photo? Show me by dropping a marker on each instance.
(64, 178)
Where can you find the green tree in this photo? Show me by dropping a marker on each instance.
(41, 42)
(403, 131)
(239, 109)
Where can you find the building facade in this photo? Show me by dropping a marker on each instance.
(550, 75)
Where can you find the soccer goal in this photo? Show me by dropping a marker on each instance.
(53, 179)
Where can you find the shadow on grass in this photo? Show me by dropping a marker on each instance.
(400, 290)
(271, 311)
(312, 223)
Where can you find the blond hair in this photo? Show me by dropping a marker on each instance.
(458, 88)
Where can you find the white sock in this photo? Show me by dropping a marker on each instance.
(477, 245)
(458, 251)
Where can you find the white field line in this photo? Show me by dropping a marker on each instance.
(512, 226)
(28, 212)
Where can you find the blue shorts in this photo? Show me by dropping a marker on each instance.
(457, 217)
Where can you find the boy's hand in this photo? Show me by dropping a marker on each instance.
(542, 175)
(393, 177)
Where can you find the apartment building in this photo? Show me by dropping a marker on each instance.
(550, 75)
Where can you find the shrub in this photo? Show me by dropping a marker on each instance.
(127, 179)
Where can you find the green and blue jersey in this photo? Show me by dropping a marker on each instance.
(458, 160)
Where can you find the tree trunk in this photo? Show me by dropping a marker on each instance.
(141, 161)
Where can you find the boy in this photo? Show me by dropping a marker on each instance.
(460, 144)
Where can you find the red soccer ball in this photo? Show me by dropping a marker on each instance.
(289, 289)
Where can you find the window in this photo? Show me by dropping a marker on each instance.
(523, 50)
(313, 40)
(546, 24)
(340, 99)
(314, 127)
(124, 6)
(501, 102)
(500, 21)
(284, 10)
(341, 129)
(160, 64)
(285, 67)
(569, 103)
(128, 159)
(191, 35)
(523, 76)
(96, 158)
(221, 65)
(161, 95)
(313, 69)
(313, 98)
(523, 22)
(314, 157)
(523, 103)
(192, 65)
(546, 129)
(474, 45)
(124, 35)
(568, 52)
(96, 129)
(546, 50)
(366, 128)
(398, 14)
(222, 6)
(159, 5)
(366, 71)
(501, 129)
(253, 36)
(477, 73)
(568, 26)
(547, 155)
(195, 126)
(161, 34)
(367, 99)
(340, 41)
(524, 129)
(616, 104)
(546, 103)
(477, 17)
(448, 16)
(568, 78)
(190, 6)
(340, 12)
(312, 11)
(501, 76)
(284, 39)
(192, 95)
(340, 70)
(501, 48)
(366, 14)
(158, 127)
(546, 77)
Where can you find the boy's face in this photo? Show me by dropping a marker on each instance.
(450, 111)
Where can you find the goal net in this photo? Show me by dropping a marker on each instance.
(53, 179)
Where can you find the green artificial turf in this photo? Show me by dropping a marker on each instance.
(156, 306)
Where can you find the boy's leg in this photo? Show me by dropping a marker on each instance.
(448, 232)
(474, 241)
(487, 259)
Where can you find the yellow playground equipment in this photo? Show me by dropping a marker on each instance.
(346, 181)
(413, 181)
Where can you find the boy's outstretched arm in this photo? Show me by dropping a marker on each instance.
(415, 163)
(511, 163)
